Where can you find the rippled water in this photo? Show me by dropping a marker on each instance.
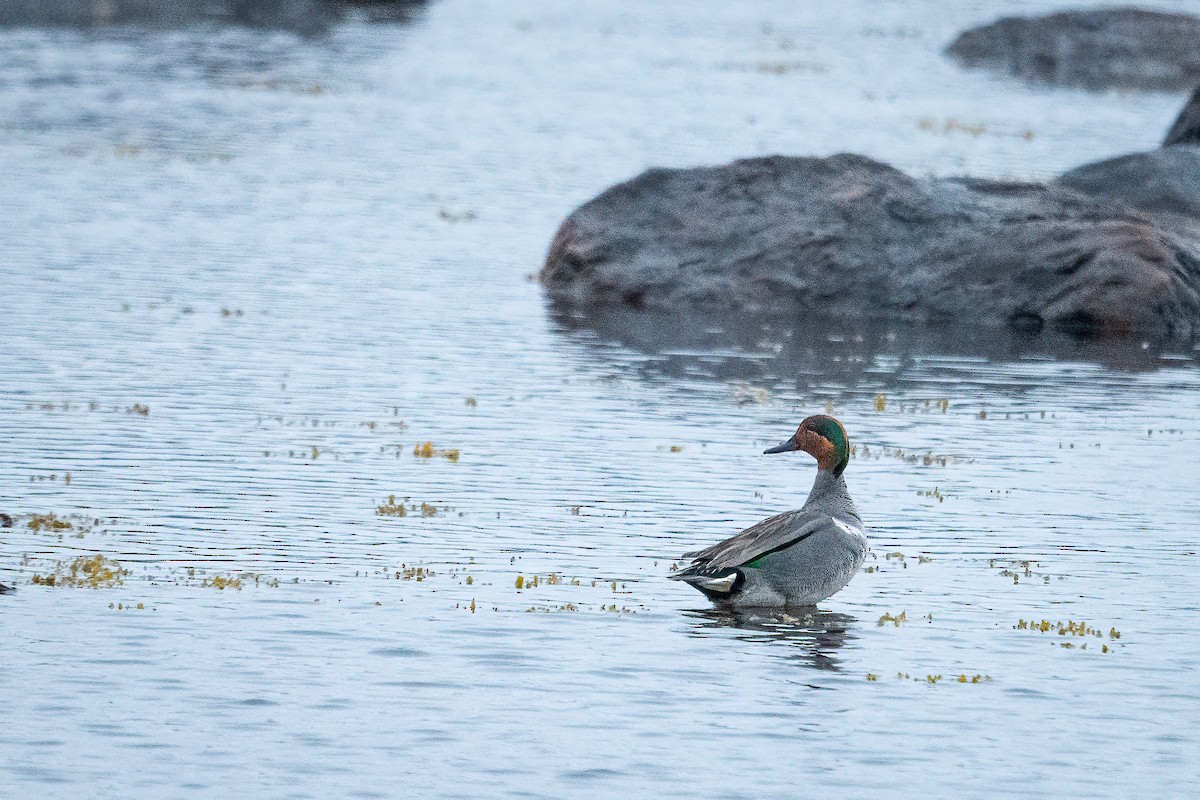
(245, 274)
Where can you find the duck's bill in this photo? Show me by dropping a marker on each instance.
(784, 447)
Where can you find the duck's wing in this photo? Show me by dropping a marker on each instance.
(776, 533)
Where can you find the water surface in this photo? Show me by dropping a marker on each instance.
(247, 273)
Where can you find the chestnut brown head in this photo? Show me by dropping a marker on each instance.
(824, 439)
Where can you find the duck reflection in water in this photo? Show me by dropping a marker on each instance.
(811, 635)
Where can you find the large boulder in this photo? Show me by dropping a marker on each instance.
(1122, 48)
(849, 236)
(1162, 180)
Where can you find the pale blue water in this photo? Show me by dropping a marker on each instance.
(303, 257)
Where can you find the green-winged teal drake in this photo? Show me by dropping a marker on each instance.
(797, 558)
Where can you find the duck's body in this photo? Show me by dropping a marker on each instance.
(797, 558)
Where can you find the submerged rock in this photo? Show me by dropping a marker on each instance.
(850, 236)
(1122, 48)
(1162, 180)
(301, 16)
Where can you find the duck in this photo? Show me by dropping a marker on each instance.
(797, 558)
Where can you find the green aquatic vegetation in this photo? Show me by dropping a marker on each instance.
(872, 677)
(936, 493)
(138, 408)
(896, 620)
(881, 402)
(93, 572)
(470, 402)
(127, 606)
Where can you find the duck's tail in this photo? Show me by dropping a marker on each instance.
(715, 583)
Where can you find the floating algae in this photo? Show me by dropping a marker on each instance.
(391, 508)
(427, 450)
(1068, 628)
(418, 574)
(49, 522)
(95, 572)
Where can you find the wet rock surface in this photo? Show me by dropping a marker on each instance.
(1163, 180)
(1123, 48)
(850, 236)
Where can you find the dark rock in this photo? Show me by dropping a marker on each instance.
(1162, 180)
(1123, 48)
(1186, 128)
(1157, 180)
(299, 16)
(849, 236)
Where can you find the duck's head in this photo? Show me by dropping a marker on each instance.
(824, 439)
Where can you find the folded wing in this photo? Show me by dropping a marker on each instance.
(768, 536)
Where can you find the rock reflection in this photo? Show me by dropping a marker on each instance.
(727, 347)
(812, 636)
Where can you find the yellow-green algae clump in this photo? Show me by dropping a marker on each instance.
(95, 572)
(391, 508)
(427, 450)
(49, 522)
(1068, 628)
